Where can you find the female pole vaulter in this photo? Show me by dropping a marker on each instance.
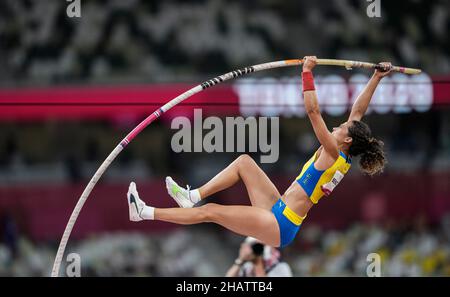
(275, 219)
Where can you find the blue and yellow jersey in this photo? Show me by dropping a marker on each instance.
(317, 183)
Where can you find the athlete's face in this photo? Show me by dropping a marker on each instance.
(341, 133)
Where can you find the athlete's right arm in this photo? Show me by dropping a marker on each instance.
(359, 108)
(324, 136)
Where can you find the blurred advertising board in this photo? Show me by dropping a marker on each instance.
(398, 93)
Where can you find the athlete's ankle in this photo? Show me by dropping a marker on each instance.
(148, 213)
(194, 195)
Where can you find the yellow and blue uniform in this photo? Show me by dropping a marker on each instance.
(288, 222)
(316, 184)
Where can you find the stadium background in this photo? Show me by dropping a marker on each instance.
(71, 88)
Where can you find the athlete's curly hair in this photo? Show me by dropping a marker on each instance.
(373, 158)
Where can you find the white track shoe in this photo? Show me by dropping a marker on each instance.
(179, 194)
(135, 204)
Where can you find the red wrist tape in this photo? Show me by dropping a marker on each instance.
(308, 81)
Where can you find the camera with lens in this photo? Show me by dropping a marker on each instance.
(257, 248)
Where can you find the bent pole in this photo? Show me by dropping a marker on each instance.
(157, 113)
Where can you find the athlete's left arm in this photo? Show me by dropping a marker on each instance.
(324, 135)
(362, 102)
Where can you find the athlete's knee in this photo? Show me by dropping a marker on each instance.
(209, 212)
(245, 161)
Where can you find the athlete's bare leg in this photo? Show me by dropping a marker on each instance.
(261, 190)
(244, 220)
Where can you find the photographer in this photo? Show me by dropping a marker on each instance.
(257, 259)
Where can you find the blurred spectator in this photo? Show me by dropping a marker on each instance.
(405, 250)
(257, 259)
(9, 233)
(176, 40)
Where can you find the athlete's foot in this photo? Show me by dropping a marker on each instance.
(181, 196)
(137, 209)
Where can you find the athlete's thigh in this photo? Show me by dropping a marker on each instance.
(261, 190)
(247, 221)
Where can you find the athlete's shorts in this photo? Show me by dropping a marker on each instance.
(288, 221)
